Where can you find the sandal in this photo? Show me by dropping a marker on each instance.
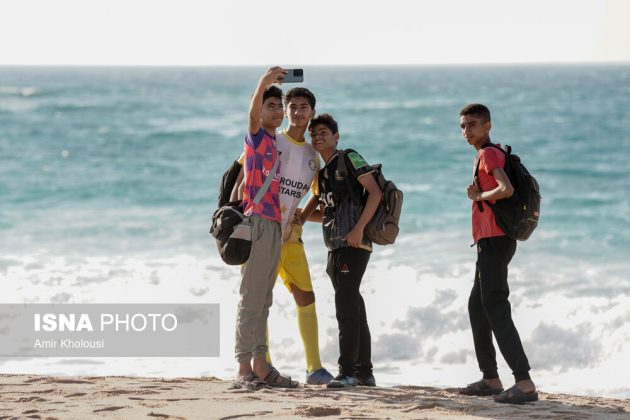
(249, 381)
(480, 388)
(516, 396)
(276, 380)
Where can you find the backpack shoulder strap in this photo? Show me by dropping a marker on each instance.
(506, 151)
(341, 164)
(342, 170)
(265, 186)
(228, 182)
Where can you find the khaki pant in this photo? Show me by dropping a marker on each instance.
(258, 276)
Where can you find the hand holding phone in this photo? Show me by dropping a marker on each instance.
(294, 76)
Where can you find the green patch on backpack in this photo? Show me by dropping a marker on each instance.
(357, 160)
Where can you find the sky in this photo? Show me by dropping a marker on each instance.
(325, 32)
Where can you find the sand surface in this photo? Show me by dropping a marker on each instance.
(42, 397)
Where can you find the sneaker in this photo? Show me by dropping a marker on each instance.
(319, 377)
(342, 381)
(366, 380)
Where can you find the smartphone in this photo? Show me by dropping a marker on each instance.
(294, 76)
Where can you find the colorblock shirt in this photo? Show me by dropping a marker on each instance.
(260, 155)
(300, 167)
(341, 213)
(484, 224)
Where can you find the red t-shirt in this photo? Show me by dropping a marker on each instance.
(484, 225)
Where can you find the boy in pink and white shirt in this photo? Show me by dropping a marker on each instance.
(258, 274)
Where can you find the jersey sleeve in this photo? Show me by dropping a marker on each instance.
(490, 159)
(254, 139)
(315, 182)
(357, 165)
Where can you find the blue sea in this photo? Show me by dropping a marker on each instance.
(109, 177)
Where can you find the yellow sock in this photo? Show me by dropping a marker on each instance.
(307, 324)
(268, 355)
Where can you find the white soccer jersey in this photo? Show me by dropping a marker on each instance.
(299, 167)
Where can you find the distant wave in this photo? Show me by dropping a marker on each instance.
(76, 106)
(408, 188)
(24, 91)
(179, 135)
(30, 92)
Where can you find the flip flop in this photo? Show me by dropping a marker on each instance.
(249, 381)
(516, 396)
(276, 380)
(480, 388)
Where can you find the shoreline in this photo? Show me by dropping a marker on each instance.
(81, 397)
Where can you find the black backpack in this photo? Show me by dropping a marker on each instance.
(383, 227)
(232, 235)
(230, 227)
(227, 183)
(517, 215)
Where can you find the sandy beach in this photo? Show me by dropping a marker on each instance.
(43, 397)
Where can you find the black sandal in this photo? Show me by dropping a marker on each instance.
(516, 396)
(276, 380)
(480, 388)
(249, 381)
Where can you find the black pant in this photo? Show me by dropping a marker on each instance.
(346, 267)
(490, 310)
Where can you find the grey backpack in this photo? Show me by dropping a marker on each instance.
(383, 228)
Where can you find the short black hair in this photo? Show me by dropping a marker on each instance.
(272, 92)
(300, 92)
(478, 110)
(325, 119)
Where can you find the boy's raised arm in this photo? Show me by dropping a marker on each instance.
(273, 75)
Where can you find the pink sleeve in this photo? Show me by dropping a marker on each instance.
(490, 159)
(254, 139)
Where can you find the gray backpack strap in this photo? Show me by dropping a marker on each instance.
(341, 164)
(267, 183)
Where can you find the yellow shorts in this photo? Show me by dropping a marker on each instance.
(293, 266)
